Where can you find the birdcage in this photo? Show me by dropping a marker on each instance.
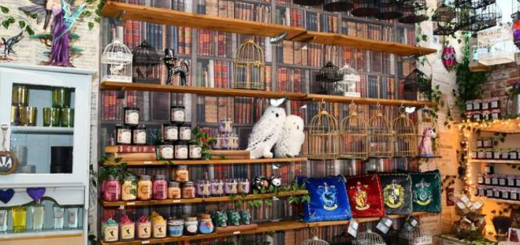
(496, 46)
(249, 67)
(415, 236)
(379, 136)
(414, 11)
(353, 141)
(146, 64)
(365, 8)
(338, 5)
(323, 136)
(475, 4)
(369, 238)
(405, 141)
(116, 61)
(314, 240)
(484, 18)
(427, 127)
(389, 10)
(349, 85)
(444, 14)
(328, 77)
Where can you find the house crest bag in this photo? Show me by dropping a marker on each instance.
(365, 196)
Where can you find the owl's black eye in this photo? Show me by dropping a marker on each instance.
(298, 127)
(276, 114)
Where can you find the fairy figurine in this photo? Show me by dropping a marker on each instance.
(62, 24)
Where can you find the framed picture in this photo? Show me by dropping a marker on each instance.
(513, 235)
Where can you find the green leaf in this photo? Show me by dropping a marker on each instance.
(11, 20)
(117, 160)
(5, 10)
(90, 26)
(5, 24)
(22, 24)
(87, 13)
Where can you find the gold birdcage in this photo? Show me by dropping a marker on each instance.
(427, 127)
(405, 141)
(249, 67)
(353, 140)
(323, 136)
(380, 136)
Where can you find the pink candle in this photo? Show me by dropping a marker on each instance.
(112, 188)
(160, 188)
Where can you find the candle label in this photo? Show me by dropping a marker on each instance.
(167, 152)
(195, 151)
(192, 228)
(131, 117)
(172, 133)
(127, 231)
(181, 152)
(178, 115)
(111, 234)
(159, 230)
(124, 136)
(140, 136)
(144, 230)
(185, 133)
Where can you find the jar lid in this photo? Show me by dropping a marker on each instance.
(173, 184)
(145, 177)
(191, 218)
(160, 177)
(175, 222)
(205, 216)
(178, 107)
(182, 142)
(132, 108)
(130, 178)
(170, 125)
(188, 183)
(182, 166)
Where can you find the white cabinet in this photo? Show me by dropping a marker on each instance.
(47, 111)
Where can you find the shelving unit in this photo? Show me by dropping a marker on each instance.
(107, 85)
(509, 126)
(262, 228)
(13, 237)
(201, 200)
(199, 21)
(504, 201)
(41, 130)
(495, 161)
(205, 162)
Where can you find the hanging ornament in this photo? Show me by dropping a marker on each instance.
(36, 193)
(6, 195)
(449, 59)
(516, 32)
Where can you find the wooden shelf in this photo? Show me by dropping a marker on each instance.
(509, 126)
(494, 161)
(214, 23)
(206, 162)
(107, 85)
(504, 201)
(41, 130)
(44, 234)
(262, 228)
(201, 200)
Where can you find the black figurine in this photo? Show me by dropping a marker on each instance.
(260, 182)
(9, 43)
(171, 64)
(275, 181)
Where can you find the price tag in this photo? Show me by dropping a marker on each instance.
(145, 242)
(130, 203)
(176, 201)
(122, 207)
(147, 162)
(236, 232)
(353, 227)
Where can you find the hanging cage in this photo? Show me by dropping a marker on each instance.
(380, 136)
(444, 14)
(314, 241)
(353, 141)
(350, 83)
(389, 10)
(415, 11)
(146, 64)
(369, 238)
(249, 67)
(405, 141)
(427, 127)
(417, 86)
(328, 77)
(474, 4)
(323, 136)
(116, 61)
(415, 236)
(365, 8)
(516, 24)
(484, 18)
(338, 5)
(496, 46)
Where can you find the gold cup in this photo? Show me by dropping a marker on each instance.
(32, 115)
(51, 117)
(20, 96)
(15, 115)
(67, 117)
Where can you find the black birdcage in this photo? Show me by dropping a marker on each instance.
(308, 2)
(414, 11)
(416, 84)
(328, 74)
(444, 14)
(365, 8)
(146, 64)
(338, 5)
(483, 18)
(464, 18)
(474, 4)
(389, 10)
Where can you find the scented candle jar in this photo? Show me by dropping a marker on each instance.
(487, 179)
(481, 154)
(59, 217)
(511, 180)
(191, 226)
(496, 193)
(495, 114)
(217, 188)
(110, 231)
(159, 226)
(181, 173)
(205, 224)
(473, 154)
(166, 151)
(244, 187)
(170, 132)
(502, 180)
(188, 190)
(175, 227)
(517, 181)
(174, 191)
(38, 216)
(112, 191)
(489, 154)
(231, 187)
(485, 104)
(4, 215)
(469, 105)
(72, 218)
(505, 154)
(131, 116)
(504, 194)
(129, 189)
(488, 142)
(225, 126)
(496, 154)
(513, 154)
(513, 195)
(232, 141)
(139, 135)
(144, 227)
(486, 115)
(203, 188)
(177, 114)
(480, 179)
(477, 115)
(494, 103)
(123, 135)
(480, 143)
(126, 228)
(489, 193)
(181, 150)
(185, 132)
(217, 144)
(160, 188)
(477, 105)
(494, 179)
(195, 151)
(144, 188)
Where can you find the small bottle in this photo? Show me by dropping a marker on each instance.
(19, 218)
(174, 191)
(38, 216)
(72, 218)
(160, 188)
(205, 224)
(59, 217)
(144, 188)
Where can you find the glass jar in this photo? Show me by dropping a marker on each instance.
(185, 132)
(59, 217)
(494, 103)
(489, 154)
(513, 155)
(38, 216)
(504, 194)
(489, 193)
(4, 214)
(496, 155)
(505, 154)
(484, 105)
(175, 227)
(502, 180)
(218, 143)
(139, 135)
(486, 115)
(217, 188)
(494, 180)
(112, 192)
(174, 191)
(123, 135)
(225, 126)
(191, 226)
(127, 228)
(195, 151)
(517, 181)
(110, 231)
(487, 179)
(166, 151)
(480, 143)
(181, 173)
(160, 188)
(513, 195)
(144, 188)
(171, 132)
(511, 180)
(203, 188)
(144, 227)
(188, 190)
(469, 105)
(496, 193)
(488, 143)
(477, 115)
(129, 189)
(473, 154)
(244, 187)
(177, 114)
(230, 187)
(480, 179)
(181, 150)
(131, 116)
(476, 105)
(495, 114)
(490, 169)
(72, 218)
(481, 154)
(232, 141)
(205, 224)
(159, 227)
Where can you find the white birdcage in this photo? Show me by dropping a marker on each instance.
(350, 85)
(369, 238)
(416, 236)
(116, 61)
(496, 46)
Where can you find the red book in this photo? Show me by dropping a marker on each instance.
(130, 149)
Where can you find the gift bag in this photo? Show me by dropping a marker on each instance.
(426, 192)
(328, 199)
(364, 193)
(397, 193)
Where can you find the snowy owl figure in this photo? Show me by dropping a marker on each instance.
(266, 132)
(290, 142)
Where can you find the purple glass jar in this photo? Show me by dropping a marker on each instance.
(203, 188)
(231, 187)
(217, 188)
(244, 187)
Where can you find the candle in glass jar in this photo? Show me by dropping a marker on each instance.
(110, 231)
(195, 151)
(171, 132)
(191, 226)
(188, 190)
(185, 132)
(123, 135)
(160, 188)
(181, 173)
(129, 189)
(181, 150)
(131, 116)
(175, 227)
(217, 188)
(144, 227)
(166, 150)
(127, 228)
(174, 191)
(139, 135)
(230, 187)
(243, 186)
(177, 114)
(203, 188)
(38, 214)
(158, 225)
(112, 190)
(144, 188)
(225, 126)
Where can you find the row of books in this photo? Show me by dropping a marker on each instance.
(213, 43)
(368, 30)
(235, 9)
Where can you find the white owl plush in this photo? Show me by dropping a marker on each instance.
(266, 132)
(290, 142)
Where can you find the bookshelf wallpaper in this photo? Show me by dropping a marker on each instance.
(290, 66)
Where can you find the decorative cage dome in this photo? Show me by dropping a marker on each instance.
(350, 83)
(353, 141)
(116, 61)
(415, 236)
(365, 8)
(424, 128)
(389, 10)
(444, 14)
(323, 136)
(496, 46)
(380, 136)
(415, 11)
(328, 73)
(483, 18)
(249, 66)
(338, 5)
(417, 85)
(474, 4)
(516, 24)
(314, 241)
(369, 238)
(146, 64)
(405, 141)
